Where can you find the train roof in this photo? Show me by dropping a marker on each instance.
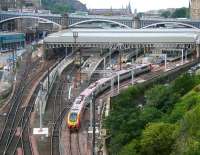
(78, 104)
(80, 100)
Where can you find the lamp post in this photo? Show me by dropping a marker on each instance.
(75, 36)
(182, 56)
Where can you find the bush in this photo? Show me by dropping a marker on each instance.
(157, 139)
(188, 141)
(161, 97)
(185, 104)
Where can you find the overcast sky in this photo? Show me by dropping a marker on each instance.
(140, 5)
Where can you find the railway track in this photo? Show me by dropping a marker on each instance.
(15, 134)
(60, 108)
(56, 118)
(55, 139)
(14, 114)
(74, 144)
(22, 139)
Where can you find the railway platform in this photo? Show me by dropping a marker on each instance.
(5, 88)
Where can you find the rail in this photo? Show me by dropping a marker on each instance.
(14, 114)
(47, 84)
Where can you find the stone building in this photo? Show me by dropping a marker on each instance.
(195, 9)
(5, 4)
(32, 3)
(17, 4)
(112, 12)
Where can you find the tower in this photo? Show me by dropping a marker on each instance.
(195, 9)
(129, 8)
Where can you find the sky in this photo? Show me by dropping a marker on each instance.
(140, 5)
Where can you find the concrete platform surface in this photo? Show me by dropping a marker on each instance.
(5, 87)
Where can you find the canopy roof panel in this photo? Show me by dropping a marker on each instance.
(91, 37)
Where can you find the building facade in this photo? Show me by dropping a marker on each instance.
(18, 4)
(9, 41)
(32, 3)
(195, 9)
(5, 4)
(112, 12)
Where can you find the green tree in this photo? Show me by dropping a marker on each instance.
(185, 104)
(184, 83)
(130, 149)
(186, 147)
(157, 139)
(161, 97)
(149, 114)
(180, 13)
(188, 141)
(166, 14)
(127, 122)
(57, 7)
(156, 96)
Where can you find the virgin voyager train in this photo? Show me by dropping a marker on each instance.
(75, 114)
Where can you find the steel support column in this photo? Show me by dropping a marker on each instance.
(182, 55)
(165, 61)
(118, 83)
(110, 59)
(197, 51)
(132, 77)
(186, 55)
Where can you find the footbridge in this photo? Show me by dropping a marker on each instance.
(90, 65)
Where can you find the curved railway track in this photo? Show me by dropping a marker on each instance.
(56, 117)
(15, 134)
(14, 113)
(55, 139)
(60, 108)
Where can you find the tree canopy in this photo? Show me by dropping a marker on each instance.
(177, 13)
(59, 8)
(167, 120)
(180, 13)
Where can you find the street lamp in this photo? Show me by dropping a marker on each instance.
(75, 36)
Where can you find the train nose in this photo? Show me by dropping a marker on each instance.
(72, 125)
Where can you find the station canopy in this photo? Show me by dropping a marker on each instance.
(122, 38)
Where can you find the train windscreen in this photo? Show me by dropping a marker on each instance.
(73, 117)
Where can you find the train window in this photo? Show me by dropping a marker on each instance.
(93, 85)
(82, 97)
(78, 101)
(107, 83)
(124, 73)
(73, 117)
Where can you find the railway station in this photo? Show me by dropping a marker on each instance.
(174, 43)
(65, 83)
(110, 39)
(83, 70)
(103, 53)
(99, 81)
